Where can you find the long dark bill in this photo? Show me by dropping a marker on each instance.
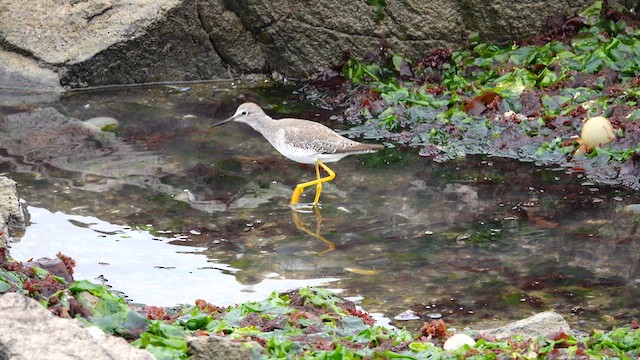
(222, 122)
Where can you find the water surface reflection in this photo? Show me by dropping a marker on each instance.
(148, 269)
(472, 240)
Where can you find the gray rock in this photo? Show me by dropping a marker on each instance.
(216, 347)
(112, 42)
(236, 45)
(104, 42)
(22, 72)
(169, 45)
(538, 324)
(61, 32)
(13, 217)
(29, 331)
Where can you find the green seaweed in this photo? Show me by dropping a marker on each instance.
(445, 105)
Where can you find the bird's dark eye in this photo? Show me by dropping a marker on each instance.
(244, 113)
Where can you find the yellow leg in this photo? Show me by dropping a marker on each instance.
(318, 186)
(318, 182)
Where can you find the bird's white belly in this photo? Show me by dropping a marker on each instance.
(304, 156)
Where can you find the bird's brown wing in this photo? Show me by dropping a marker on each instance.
(312, 135)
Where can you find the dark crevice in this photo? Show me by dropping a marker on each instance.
(7, 46)
(260, 29)
(327, 29)
(225, 60)
(11, 48)
(93, 16)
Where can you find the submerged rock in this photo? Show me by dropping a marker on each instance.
(632, 208)
(45, 136)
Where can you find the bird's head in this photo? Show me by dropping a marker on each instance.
(246, 113)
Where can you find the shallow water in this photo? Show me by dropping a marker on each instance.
(168, 210)
(165, 276)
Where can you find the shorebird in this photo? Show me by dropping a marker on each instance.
(302, 141)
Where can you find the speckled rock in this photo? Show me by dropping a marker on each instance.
(539, 324)
(216, 347)
(29, 331)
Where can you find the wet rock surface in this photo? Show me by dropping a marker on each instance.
(116, 42)
(13, 217)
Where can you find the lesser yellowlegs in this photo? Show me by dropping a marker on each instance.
(303, 141)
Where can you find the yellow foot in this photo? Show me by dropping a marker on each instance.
(295, 197)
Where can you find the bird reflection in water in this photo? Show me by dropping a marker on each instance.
(297, 220)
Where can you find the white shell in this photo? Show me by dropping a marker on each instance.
(406, 316)
(457, 341)
(597, 131)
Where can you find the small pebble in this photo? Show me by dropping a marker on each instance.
(406, 316)
(463, 237)
(102, 122)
